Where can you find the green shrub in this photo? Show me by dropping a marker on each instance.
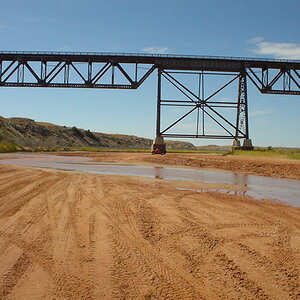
(8, 147)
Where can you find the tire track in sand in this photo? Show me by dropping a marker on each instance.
(138, 265)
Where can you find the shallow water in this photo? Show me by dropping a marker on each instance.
(259, 187)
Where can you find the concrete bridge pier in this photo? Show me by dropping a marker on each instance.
(247, 145)
(159, 144)
(236, 145)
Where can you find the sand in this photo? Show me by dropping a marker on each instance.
(262, 166)
(67, 235)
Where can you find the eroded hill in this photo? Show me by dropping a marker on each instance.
(29, 133)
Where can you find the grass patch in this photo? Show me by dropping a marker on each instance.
(293, 153)
(7, 147)
(196, 151)
(294, 156)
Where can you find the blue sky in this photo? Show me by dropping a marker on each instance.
(256, 28)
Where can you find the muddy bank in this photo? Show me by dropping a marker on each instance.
(67, 235)
(271, 167)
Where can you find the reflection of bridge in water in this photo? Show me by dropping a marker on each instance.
(129, 71)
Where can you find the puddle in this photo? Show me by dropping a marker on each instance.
(225, 191)
(258, 187)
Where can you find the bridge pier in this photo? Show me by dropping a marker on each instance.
(247, 144)
(242, 126)
(159, 144)
(204, 107)
(236, 145)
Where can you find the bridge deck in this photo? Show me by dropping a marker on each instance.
(170, 61)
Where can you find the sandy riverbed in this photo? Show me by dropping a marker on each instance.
(262, 166)
(67, 235)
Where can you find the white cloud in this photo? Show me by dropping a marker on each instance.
(261, 112)
(155, 50)
(277, 50)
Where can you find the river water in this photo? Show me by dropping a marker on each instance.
(259, 187)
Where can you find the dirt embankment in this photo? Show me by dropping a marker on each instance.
(41, 135)
(272, 167)
(76, 236)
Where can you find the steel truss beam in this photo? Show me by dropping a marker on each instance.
(60, 69)
(285, 81)
(205, 107)
(67, 74)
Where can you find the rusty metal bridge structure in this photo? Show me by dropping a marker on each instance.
(130, 70)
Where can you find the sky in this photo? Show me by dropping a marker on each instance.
(239, 28)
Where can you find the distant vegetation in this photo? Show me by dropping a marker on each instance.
(7, 147)
(290, 153)
(27, 135)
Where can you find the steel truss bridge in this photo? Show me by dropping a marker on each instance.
(129, 71)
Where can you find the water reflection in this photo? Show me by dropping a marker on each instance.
(285, 190)
(225, 191)
(240, 179)
(157, 173)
